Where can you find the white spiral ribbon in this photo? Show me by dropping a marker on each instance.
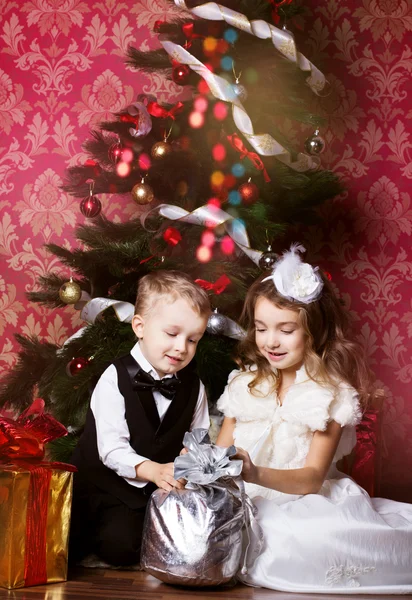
(91, 308)
(282, 39)
(208, 216)
(94, 307)
(263, 143)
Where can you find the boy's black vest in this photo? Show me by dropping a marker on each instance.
(158, 441)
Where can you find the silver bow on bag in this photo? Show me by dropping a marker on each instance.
(194, 536)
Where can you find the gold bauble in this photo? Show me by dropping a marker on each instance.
(161, 149)
(142, 193)
(70, 292)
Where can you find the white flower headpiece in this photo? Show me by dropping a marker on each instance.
(295, 279)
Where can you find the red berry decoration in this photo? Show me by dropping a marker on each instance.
(249, 192)
(90, 207)
(76, 365)
(180, 74)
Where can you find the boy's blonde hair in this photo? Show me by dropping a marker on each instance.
(171, 284)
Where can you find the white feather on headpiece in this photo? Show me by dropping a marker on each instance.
(294, 279)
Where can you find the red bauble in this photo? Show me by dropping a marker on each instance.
(76, 365)
(249, 192)
(115, 152)
(180, 74)
(90, 207)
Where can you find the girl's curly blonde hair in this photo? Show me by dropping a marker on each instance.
(331, 355)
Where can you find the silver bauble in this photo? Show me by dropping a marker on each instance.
(240, 91)
(216, 324)
(267, 260)
(315, 144)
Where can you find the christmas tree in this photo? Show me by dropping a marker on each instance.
(218, 182)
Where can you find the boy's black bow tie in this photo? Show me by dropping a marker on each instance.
(167, 386)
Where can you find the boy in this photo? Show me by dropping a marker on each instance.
(139, 412)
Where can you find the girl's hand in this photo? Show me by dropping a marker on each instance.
(249, 470)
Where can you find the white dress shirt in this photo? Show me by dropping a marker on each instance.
(113, 436)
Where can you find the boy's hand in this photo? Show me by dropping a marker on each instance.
(160, 474)
(183, 451)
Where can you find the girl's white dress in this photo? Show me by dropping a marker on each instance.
(336, 541)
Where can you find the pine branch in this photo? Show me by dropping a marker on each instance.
(105, 341)
(103, 230)
(148, 62)
(61, 449)
(18, 386)
(49, 295)
(214, 363)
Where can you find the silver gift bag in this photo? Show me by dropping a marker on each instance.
(194, 536)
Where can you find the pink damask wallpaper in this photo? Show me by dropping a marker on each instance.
(61, 71)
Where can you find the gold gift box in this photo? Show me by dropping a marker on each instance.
(14, 508)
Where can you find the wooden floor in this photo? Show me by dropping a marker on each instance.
(100, 584)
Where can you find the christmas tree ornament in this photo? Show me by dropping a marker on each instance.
(70, 292)
(180, 74)
(142, 193)
(91, 206)
(239, 89)
(161, 149)
(76, 365)
(216, 324)
(268, 259)
(249, 192)
(115, 152)
(315, 144)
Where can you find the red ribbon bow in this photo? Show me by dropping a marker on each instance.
(156, 110)
(218, 287)
(93, 168)
(126, 118)
(172, 236)
(190, 35)
(238, 145)
(275, 9)
(25, 437)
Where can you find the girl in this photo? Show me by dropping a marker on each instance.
(291, 410)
